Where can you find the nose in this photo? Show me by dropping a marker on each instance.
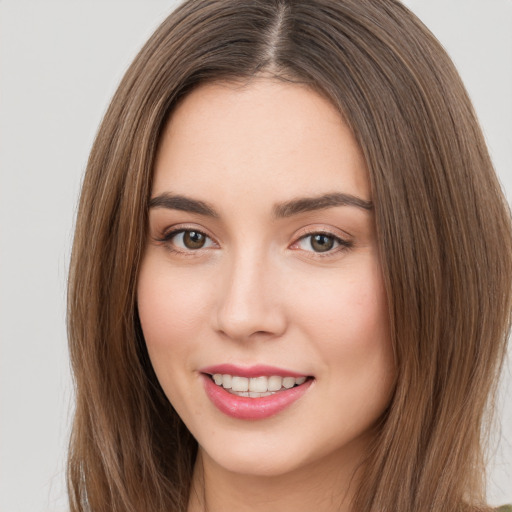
(250, 304)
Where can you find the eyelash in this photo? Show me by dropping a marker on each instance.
(342, 244)
(166, 239)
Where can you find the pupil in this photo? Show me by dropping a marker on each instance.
(193, 240)
(322, 243)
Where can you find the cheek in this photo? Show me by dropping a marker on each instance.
(167, 300)
(346, 314)
(172, 310)
(345, 303)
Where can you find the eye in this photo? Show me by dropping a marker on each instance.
(188, 240)
(321, 243)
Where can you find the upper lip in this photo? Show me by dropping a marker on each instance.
(258, 370)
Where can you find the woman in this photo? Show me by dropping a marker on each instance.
(291, 278)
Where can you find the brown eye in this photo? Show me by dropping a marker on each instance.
(194, 239)
(318, 243)
(321, 242)
(184, 240)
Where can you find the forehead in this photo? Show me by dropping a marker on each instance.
(264, 137)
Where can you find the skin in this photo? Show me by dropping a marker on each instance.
(258, 292)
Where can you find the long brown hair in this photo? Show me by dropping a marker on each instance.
(443, 227)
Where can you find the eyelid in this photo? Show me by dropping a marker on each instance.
(171, 231)
(344, 239)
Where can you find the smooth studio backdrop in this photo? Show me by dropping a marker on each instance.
(60, 62)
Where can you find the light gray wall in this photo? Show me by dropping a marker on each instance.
(59, 65)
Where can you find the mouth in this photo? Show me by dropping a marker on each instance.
(253, 393)
(256, 387)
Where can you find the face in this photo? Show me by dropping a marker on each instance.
(260, 292)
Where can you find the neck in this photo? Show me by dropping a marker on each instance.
(327, 485)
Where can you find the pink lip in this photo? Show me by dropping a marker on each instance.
(258, 370)
(247, 408)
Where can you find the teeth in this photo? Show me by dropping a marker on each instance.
(240, 384)
(256, 386)
(275, 383)
(288, 382)
(259, 384)
(226, 381)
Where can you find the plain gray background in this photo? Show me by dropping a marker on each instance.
(59, 65)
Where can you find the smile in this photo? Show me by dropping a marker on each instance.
(256, 387)
(253, 393)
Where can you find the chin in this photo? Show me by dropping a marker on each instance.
(255, 458)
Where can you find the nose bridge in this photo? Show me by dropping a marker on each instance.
(249, 301)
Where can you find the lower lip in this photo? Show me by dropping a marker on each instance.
(246, 408)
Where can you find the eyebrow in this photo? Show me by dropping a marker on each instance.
(183, 203)
(308, 204)
(280, 210)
